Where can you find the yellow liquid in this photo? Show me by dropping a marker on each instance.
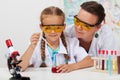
(114, 65)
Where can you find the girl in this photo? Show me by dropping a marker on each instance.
(51, 42)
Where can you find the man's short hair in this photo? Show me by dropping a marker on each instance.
(94, 8)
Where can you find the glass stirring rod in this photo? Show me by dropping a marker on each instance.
(48, 43)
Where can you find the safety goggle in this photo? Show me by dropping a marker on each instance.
(50, 28)
(82, 24)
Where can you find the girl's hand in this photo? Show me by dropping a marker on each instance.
(65, 68)
(35, 38)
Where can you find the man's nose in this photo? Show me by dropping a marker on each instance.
(79, 27)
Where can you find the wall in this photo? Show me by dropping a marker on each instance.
(18, 20)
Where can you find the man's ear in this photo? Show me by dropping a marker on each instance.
(97, 27)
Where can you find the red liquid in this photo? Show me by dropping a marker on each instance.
(103, 64)
(118, 62)
(54, 70)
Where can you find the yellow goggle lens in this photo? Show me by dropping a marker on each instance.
(49, 29)
(81, 24)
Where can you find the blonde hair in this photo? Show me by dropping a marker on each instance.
(57, 12)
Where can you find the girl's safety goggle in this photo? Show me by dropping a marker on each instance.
(82, 24)
(50, 28)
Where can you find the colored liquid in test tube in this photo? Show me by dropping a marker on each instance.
(99, 59)
(109, 64)
(103, 61)
(96, 61)
(106, 62)
(114, 60)
(118, 64)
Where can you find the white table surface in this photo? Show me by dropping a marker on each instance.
(46, 74)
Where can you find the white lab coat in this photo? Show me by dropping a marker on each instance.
(104, 41)
(75, 52)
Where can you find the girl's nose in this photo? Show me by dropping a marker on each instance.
(53, 31)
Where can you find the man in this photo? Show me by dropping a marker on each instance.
(88, 28)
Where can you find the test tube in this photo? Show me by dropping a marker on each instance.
(103, 61)
(106, 62)
(109, 64)
(99, 59)
(118, 62)
(114, 61)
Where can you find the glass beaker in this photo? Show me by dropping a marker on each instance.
(57, 60)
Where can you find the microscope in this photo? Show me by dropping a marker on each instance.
(12, 63)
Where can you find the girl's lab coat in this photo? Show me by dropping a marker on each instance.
(104, 41)
(75, 52)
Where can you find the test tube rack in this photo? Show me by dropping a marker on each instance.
(107, 64)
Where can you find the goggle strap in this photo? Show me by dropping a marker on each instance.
(53, 25)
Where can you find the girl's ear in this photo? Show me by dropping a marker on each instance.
(40, 25)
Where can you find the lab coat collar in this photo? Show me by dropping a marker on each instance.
(62, 49)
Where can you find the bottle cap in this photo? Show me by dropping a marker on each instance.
(111, 52)
(103, 51)
(8, 43)
(99, 51)
(106, 52)
(115, 52)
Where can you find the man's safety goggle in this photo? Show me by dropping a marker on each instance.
(82, 24)
(50, 28)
